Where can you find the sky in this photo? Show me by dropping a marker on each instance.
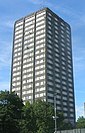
(72, 11)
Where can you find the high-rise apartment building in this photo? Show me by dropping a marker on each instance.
(42, 61)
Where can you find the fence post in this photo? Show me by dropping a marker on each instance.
(80, 130)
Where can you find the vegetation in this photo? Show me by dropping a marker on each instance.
(30, 118)
(80, 122)
(10, 112)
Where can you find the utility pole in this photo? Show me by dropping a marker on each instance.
(55, 117)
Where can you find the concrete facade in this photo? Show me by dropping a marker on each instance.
(42, 61)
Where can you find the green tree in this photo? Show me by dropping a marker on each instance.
(28, 121)
(30, 118)
(43, 113)
(62, 124)
(10, 112)
(80, 122)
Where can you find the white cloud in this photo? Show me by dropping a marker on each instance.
(60, 8)
(79, 59)
(79, 111)
(73, 17)
(5, 55)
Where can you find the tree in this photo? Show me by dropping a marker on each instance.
(28, 121)
(10, 112)
(43, 113)
(80, 122)
(29, 118)
(37, 118)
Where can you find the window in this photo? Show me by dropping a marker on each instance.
(63, 49)
(40, 32)
(40, 23)
(50, 32)
(58, 85)
(63, 82)
(29, 32)
(56, 36)
(29, 23)
(56, 54)
(50, 83)
(65, 109)
(29, 36)
(40, 36)
(37, 84)
(18, 28)
(19, 40)
(49, 22)
(57, 80)
(41, 14)
(18, 36)
(18, 32)
(50, 95)
(49, 66)
(30, 27)
(69, 66)
(50, 72)
(65, 114)
(64, 98)
(49, 77)
(30, 18)
(69, 70)
(70, 94)
(42, 94)
(49, 56)
(56, 23)
(63, 92)
(64, 88)
(49, 18)
(71, 115)
(19, 23)
(50, 101)
(62, 44)
(57, 75)
(63, 67)
(50, 61)
(64, 77)
(49, 36)
(64, 103)
(69, 48)
(40, 27)
(62, 28)
(50, 89)
(42, 89)
(63, 58)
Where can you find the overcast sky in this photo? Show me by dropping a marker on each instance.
(72, 11)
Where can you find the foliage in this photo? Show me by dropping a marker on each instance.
(43, 113)
(29, 118)
(10, 112)
(28, 121)
(80, 122)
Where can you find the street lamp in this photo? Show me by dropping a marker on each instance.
(55, 117)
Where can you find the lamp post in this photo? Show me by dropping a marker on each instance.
(55, 117)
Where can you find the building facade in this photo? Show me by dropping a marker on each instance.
(42, 61)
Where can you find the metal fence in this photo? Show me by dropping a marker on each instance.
(72, 131)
